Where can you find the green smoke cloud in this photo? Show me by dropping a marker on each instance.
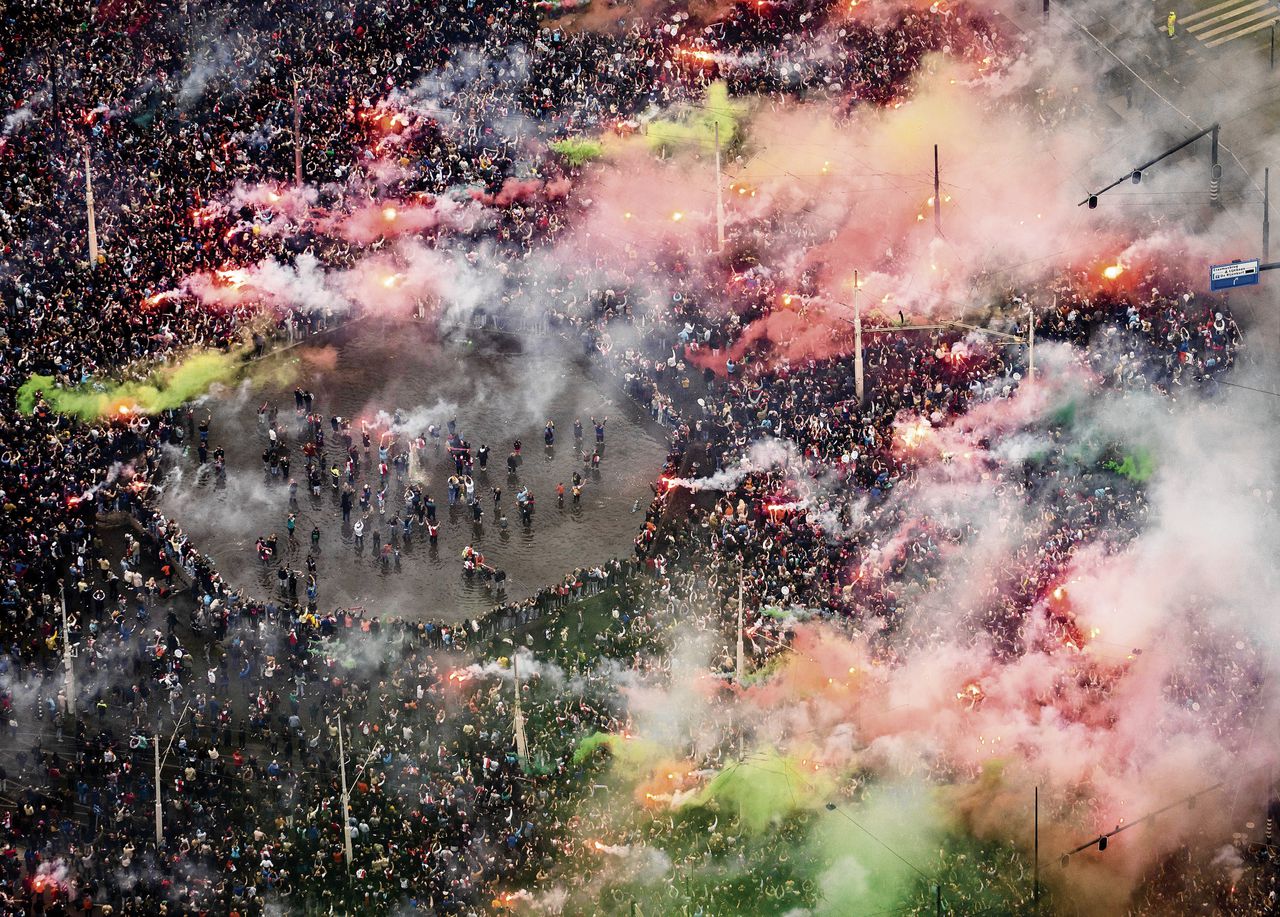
(699, 127)
(1139, 466)
(763, 789)
(165, 389)
(631, 754)
(870, 851)
(578, 150)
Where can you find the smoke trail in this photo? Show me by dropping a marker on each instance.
(764, 455)
(167, 388)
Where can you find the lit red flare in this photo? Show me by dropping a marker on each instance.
(235, 278)
(705, 57)
(202, 216)
(152, 301)
(971, 694)
(915, 433)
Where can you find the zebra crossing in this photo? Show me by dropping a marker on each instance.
(1229, 21)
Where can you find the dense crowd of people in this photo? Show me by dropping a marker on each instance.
(273, 729)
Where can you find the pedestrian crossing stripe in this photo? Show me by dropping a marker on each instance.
(1230, 19)
(1213, 9)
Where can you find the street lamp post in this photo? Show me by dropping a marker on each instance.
(66, 652)
(89, 209)
(346, 811)
(858, 386)
(346, 795)
(719, 195)
(522, 741)
(1031, 346)
(155, 737)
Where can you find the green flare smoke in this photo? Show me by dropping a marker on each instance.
(1138, 466)
(578, 151)
(763, 789)
(165, 389)
(631, 754)
(866, 854)
(699, 128)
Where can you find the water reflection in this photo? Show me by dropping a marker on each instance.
(497, 394)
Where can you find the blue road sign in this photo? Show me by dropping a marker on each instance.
(1235, 274)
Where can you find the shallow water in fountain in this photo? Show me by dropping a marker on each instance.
(498, 393)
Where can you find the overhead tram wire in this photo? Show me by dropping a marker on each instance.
(1101, 841)
(1250, 388)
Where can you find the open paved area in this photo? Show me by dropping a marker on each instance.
(497, 391)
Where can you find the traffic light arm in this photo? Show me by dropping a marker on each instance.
(1101, 840)
(1211, 129)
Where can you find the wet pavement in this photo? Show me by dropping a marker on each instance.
(498, 393)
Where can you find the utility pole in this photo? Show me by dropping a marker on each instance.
(88, 203)
(857, 344)
(856, 322)
(738, 668)
(937, 199)
(719, 196)
(346, 812)
(1035, 888)
(522, 742)
(57, 114)
(297, 137)
(66, 652)
(1031, 345)
(1215, 171)
(1266, 214)
(155, 741)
